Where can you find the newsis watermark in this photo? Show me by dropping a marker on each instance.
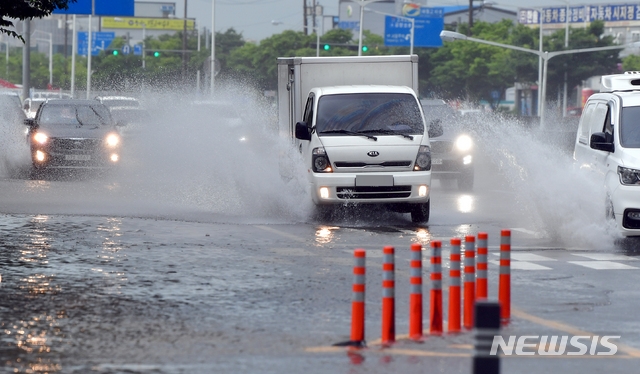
(554, 345)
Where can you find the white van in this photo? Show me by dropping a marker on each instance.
(608, 145)
(367, 144)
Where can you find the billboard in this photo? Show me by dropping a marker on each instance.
(149, 23)
(428, 24)
(580, 14)
(102, 8)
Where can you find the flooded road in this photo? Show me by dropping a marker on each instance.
(199, 258)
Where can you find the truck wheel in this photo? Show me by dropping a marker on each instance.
(465, 181)
(420, 213)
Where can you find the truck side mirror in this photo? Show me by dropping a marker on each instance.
(435, 129)
(599, 141)
(302, 131)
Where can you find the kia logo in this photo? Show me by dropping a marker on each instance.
(373, 154)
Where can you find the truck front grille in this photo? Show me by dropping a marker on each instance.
(373, 192)
(344, 164)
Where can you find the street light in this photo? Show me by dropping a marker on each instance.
(413, 25)
(448, 36)
(50, 41)
(276, 23)
(362, 3)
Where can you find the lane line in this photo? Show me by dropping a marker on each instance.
(631, 351)
(281, 233)
(606, 256)
(523, 265)
(603, 265)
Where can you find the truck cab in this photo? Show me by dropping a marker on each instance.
(367, 144)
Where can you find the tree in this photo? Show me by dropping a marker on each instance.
(23, 9)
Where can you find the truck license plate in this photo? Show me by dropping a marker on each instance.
(77, 157)
(374, 180)
(436, 161)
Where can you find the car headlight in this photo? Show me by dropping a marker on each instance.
(629, 176)
(423, 160)
(40, 138)
(320, 161)
(113, 140)
(463, 143)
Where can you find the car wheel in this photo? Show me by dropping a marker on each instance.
(465, 180)
(420, 213)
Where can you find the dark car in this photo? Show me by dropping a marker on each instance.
(452, 152)
(73, 134)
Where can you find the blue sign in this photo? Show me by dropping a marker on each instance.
(137, 49)
(426, 33)
(126, 49)
(123, 8)
(580, 14)
(99, 40)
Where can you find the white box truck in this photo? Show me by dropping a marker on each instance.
(360, 128)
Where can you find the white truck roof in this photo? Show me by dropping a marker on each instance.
(333, 90)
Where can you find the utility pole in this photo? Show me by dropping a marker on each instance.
(184, 44)
(26, 58)
(470, 17)
(304, 17)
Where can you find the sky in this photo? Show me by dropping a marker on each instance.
(253, 18)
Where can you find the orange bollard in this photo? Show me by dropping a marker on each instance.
(357, 304)
(482, 287)
(388, 297)
(415, 297)
(454, 287)
(504, 287)
(469, 280)
(435, 325)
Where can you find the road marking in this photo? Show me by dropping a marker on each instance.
(529, 232)
(603, 265)
(606, 256)
(281, 233)
(529, 257)
(523, 265)
(631, 351)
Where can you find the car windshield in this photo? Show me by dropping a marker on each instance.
(629, 127)
(369, 113)
(75, 115)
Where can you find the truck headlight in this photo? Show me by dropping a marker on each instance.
(463, 143)
(112, 140)
(423, 160)
(629, 176)
(40, 138)
(320, 161)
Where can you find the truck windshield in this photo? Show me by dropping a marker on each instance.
(371, 113)
(629, 129)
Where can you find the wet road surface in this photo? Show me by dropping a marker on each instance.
(99, 277)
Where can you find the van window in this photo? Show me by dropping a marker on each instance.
(584, 122)
(307, 117)
(371, 113)
(629, 128)
(598, 118)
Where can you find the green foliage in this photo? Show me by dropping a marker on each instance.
(21, 10)
(631, 63)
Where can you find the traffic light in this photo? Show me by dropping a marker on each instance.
(365, 48)
(156, 54)
(327, 47)
(115, 52)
